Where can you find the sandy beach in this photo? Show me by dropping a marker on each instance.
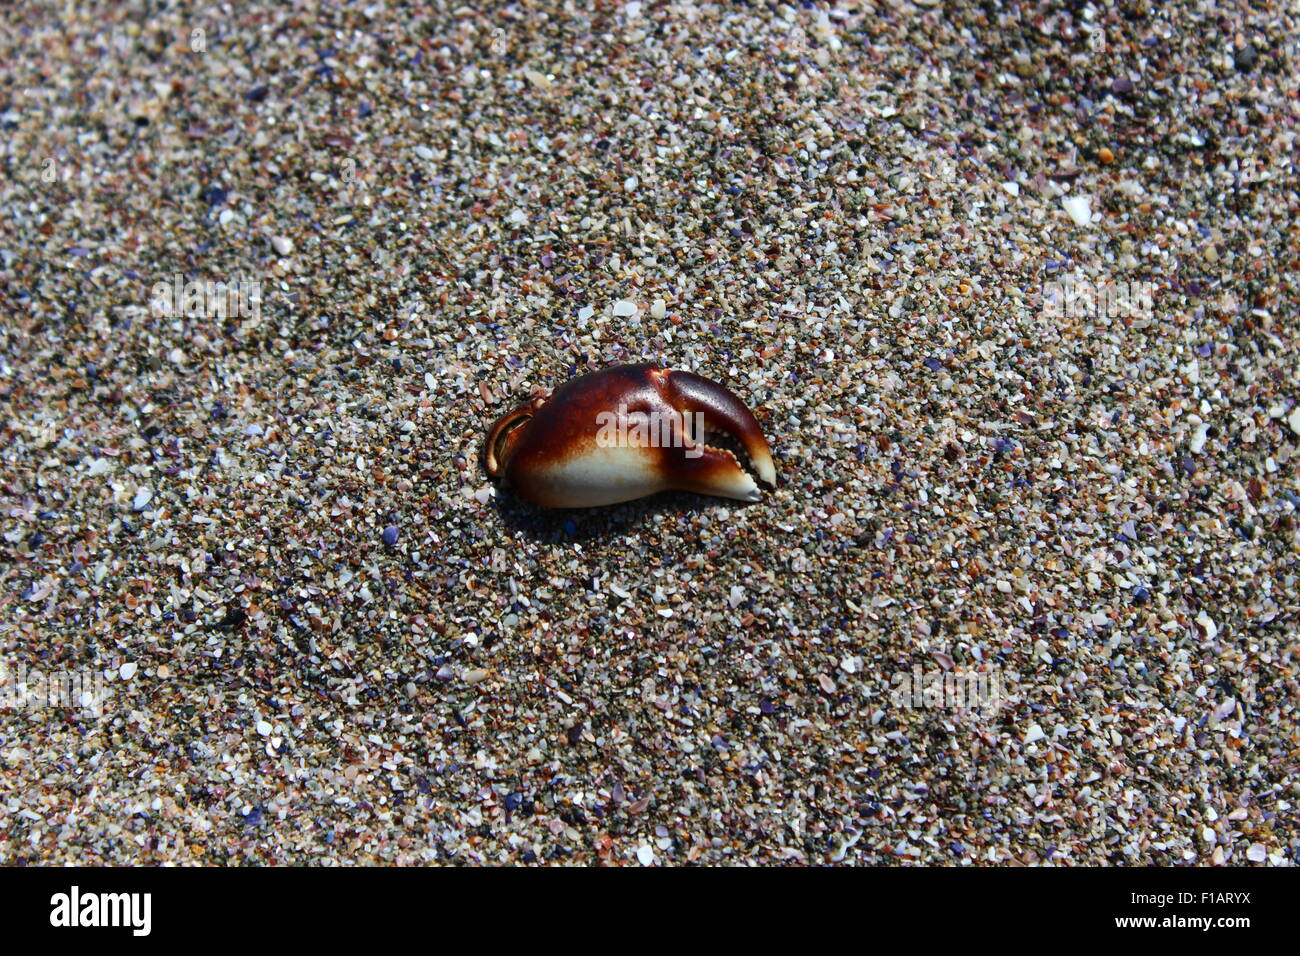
(1012, 293)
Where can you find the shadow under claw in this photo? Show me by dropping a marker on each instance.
(561, 525)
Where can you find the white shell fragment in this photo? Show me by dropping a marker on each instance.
(1078, 208)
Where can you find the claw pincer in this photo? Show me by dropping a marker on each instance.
(626, 432)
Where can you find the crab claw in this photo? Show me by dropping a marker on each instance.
(723, 412)
(627, 432)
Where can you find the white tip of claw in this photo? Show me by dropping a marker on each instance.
(766, 469)
(737, 484)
